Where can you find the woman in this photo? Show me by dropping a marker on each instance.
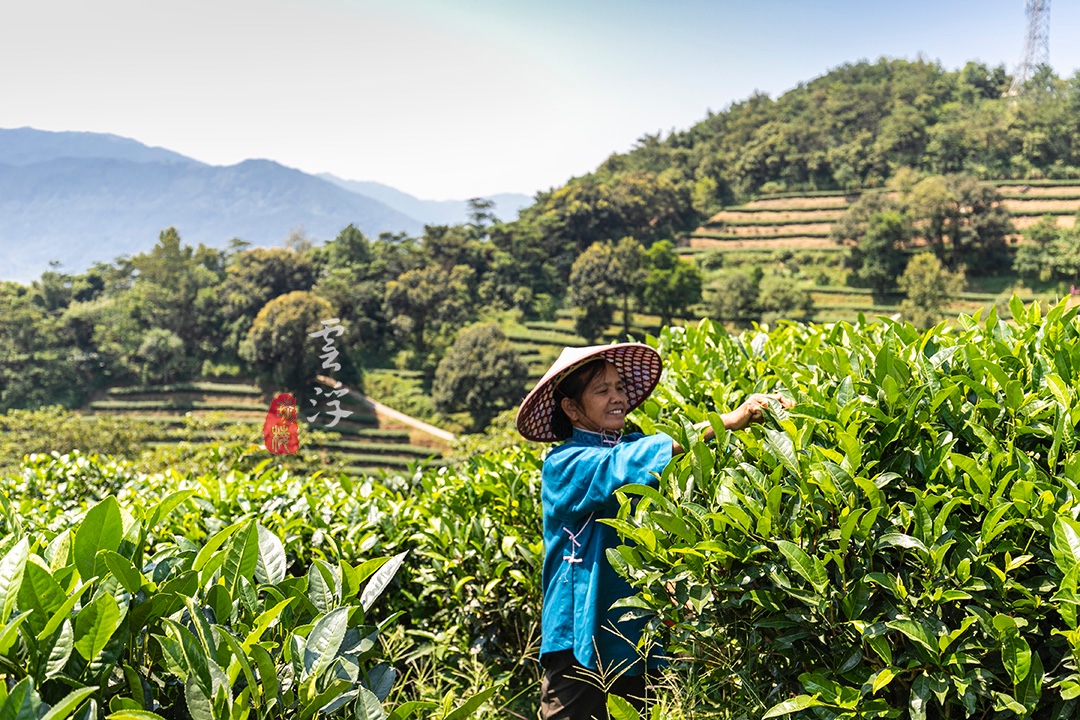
(583, 399)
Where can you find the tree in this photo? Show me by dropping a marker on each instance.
(964, 222)
(592, 290)
(1035, 259)
(348, 279)
(278, 347)
(255, 277)
(481, 374)
(879, 258)
(670, 285)
(736, 296)
(780, 297)
(426, 306)
(161, 351)
(627, 274)
(928, 287)
(175, 287)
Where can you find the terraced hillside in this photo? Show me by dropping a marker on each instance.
(803, 222)
(364, 442)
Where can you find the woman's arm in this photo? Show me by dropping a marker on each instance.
(751, 411)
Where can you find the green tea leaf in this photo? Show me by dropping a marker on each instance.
(12, 567)
(1065, 544)
(60, 649)
(211, 546)
(123, 570)
(324, 640)
(69, 704)
(134, 715)
(809, 568)
(795, 704)
(321, 587)
(368, 706)
(241, 558)
(11, 633)
(919, 698)
(101, 529)
(783, 449)
(380, 580)
(621, 709)
(95, 625)
(270, 567)
(22, 703)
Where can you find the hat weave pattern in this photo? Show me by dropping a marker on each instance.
(639, 367)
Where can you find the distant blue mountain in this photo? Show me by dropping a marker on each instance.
(432, 212)
(80, 198)
(27, 146)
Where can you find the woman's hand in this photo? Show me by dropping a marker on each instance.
(752, 410)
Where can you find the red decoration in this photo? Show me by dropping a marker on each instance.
(281, 434)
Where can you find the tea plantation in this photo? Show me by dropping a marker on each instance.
(904, 542)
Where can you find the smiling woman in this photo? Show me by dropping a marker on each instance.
(586, 650)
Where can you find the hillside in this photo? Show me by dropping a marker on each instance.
(796, 221)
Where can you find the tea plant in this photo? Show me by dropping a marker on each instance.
(902, 543)
(93, 620)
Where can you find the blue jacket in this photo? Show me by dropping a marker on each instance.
(578, 484)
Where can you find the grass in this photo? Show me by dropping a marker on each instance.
(192, 387)
(712, 235)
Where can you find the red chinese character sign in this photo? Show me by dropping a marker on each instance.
(280, 431)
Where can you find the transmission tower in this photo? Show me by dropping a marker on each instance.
(1036, 43)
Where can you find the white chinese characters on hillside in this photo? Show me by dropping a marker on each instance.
(332, 404)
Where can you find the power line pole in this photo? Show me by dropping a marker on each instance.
(1036, 44)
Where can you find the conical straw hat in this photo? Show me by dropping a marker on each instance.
(639, 367)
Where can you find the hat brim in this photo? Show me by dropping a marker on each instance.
(639, 367)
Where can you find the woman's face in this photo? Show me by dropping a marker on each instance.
(603, 403)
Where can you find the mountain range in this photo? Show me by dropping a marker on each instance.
(79, 198)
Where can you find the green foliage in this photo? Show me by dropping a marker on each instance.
(467, 597)
(879, 258)
(111, 606)
(899, 544)
(278, 346)
(780, 297)
(963, 221)
(670, 285)
(255, 277)
(855, 126)
(735, 296)
(592, 292)
(480, 375)
(50, 428)
(1049, 252)
(160, 350)
(927, 287)
(426, 305)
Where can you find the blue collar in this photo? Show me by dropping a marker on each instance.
(595, 439)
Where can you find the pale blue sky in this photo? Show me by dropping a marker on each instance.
(455, 98)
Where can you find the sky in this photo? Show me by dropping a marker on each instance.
(451, 99)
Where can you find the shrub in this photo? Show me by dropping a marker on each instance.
(901, 543)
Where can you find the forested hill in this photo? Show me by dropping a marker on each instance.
(854, 126)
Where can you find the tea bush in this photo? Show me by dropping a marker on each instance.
(216, 631)
(468, 594)
(903, 543)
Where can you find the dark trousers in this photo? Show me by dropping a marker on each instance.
(572, 692)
